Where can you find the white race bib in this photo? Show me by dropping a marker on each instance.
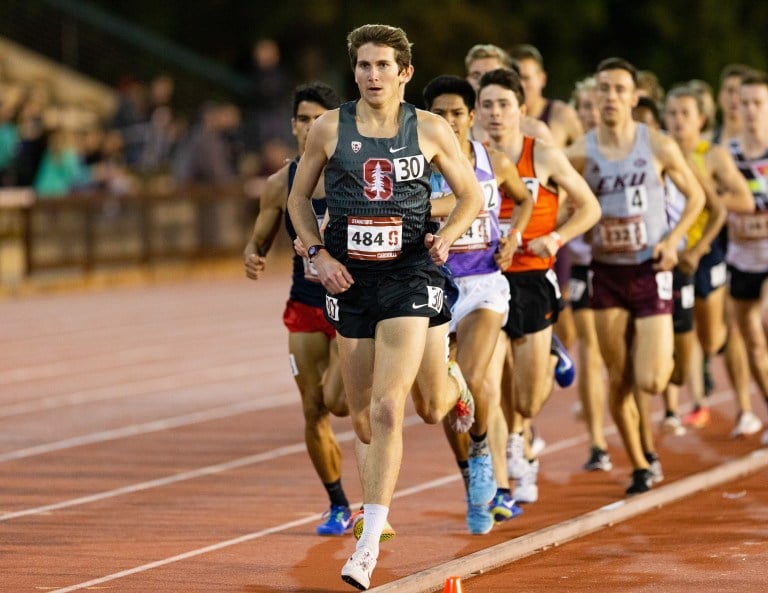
(750, 227)
(477, 237)
(623, 235)
(374, 237)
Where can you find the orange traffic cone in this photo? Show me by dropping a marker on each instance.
(453, 585)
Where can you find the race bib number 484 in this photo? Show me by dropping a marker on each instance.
(374, 237)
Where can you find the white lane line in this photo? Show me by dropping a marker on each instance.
(269, 456)
(239, 540)
(557, 534)
(273, 401)
(554, 447)
(181, 380)
(297, 448)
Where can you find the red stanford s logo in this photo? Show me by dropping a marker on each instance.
(377, 174)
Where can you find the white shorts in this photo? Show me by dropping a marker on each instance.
(482, 291)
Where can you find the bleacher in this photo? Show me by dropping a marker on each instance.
(150, 225)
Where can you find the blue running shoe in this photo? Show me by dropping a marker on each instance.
(482, 483)
(565, 372)
(503, 507)
(337, 521)
(479, 519)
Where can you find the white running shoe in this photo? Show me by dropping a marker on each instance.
(537, 444)
(673, 425)
(517, 464)
(747, 424)
(358, 569)
(527, 486)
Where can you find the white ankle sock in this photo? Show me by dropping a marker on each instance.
(375, 519)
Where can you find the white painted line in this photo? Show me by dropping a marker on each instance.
(495, 556)
(409, 421)
(181, 380)
(491, 558)
(233, 542)
(253, 459)
(273, 401)
(209, 470)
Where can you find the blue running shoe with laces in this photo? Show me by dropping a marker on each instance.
(479, 519)
(336, 521)
(503, 507)
(565, 372)
(482, 483)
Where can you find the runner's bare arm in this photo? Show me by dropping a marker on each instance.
(732, 187)
(271, 208)
(441, 147)
(321, 143)
(673, 163)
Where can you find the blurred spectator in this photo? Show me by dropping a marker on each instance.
(9, 136)
(268, 105)
(162, 129)
(211, 156)
(130, 117)
(62, 168)
(33, 141)
(210, 153)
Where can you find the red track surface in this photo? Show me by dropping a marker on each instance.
(151, 440)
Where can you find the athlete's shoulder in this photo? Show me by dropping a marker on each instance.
(536, 128)
(662, 145)
(275, 189)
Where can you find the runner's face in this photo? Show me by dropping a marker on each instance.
(533, 79)
(682, 118)
(478, 67)
(377, 76)
(306, 114)
(498, 111)
(754, 107)
(729, 96)
(616, 96)
(586, 109)
(453, 109)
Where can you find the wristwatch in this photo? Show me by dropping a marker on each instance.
(314, 250)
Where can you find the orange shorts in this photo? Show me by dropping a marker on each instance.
(301, 318)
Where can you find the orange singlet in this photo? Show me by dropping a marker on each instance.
(543, 218)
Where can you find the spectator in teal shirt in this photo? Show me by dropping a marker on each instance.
(62, 168)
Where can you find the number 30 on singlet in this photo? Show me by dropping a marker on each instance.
(409, 167)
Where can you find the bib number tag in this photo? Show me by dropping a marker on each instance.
(374, 238)
(409, 167)
(490, 195)
(687, 296)
(552, 277)
(532, 183)
(637, 199)
(664, 285)
(576, 289)
(623, 235)
(477, 237)
(750, 227)
(310, 271)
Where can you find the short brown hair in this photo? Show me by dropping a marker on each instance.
(526, 51)
(733, 70)
(506, 78)
(386, 35)
(756, 77)
(487, 50)
(618, 64)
